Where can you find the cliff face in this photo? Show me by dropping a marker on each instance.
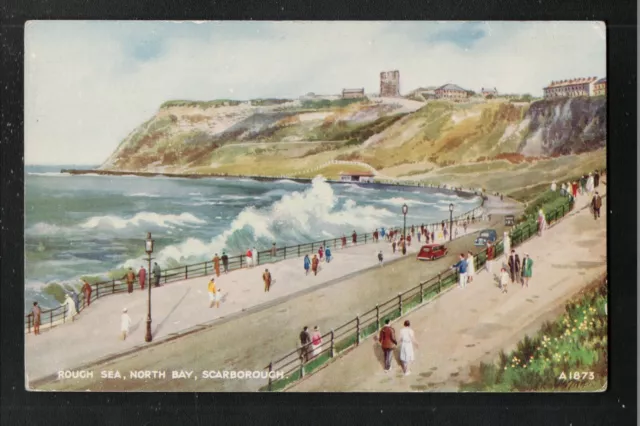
(565, 126)
(284, 137)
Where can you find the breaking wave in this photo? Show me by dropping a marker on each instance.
(160, 220)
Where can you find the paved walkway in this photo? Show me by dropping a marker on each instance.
(466, 326)
(181, 305)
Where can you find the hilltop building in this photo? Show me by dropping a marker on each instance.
(451, 91)
(428, 93)
(353, 93)
(489, 93)
(570, 88)
(390, 84)
(600, 87)
(364, 177)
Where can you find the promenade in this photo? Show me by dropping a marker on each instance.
(466, 326)
(180, 306)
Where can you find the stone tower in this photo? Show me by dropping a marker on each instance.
(390, 84)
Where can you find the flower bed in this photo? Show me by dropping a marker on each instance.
(568, 354)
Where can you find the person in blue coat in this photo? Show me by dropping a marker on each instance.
(461, 266)
(382, 233)
(307, 264)
(327, 254)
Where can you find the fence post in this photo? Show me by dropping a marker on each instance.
(29, 322)
(439, 283)
(240, 261)
(365, 238)
(331, 350)
(186, 272)
(64, 315)
(377, 317)
(563, 210)
(50, 318)
(357, 329)
(302, 362)
(421, 293)
(97, 291)
(285, 251)
(205, 268)
(400, 303)
(258, 259)
(165, 277)
(113, 286)
(270, 371)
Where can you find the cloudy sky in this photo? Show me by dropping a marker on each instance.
(88, 84)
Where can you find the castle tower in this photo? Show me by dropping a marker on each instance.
(390, 84)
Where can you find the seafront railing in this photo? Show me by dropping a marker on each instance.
(60, 315)
(301, 361)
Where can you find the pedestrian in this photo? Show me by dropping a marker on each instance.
(37, 318)
(216, 264)
(506, 244)
(382, 232)
(596, 204)
(553, 186)
(327, 254)
(130, 277)
(157, 273)
(542, 222)
(445, 233)
(419, 237)
(142, 277)
(125, 324)
(266, 277)
(255, 257)
(563, 189)
(409, 240)
(307, 264)
(314, 264)
(305, 340)
(574, 189)
(471, 267)
(456, 234)
(491, 254)
(225, 262)
(590, 184)
(344, 241)
(380, 258)
(375, 235)
(387, 339)
(321, 254)
(354, 238)
(583, 184)
(504, 280)
(407, 340)
(514, 266)
(527, 270)
(413, 230)
(86, 290)
(211, 289)
(461, 266)
(393, 246)
(433, 237)
(76, 300)
(596, 179)
(249, 256)
(316, 342)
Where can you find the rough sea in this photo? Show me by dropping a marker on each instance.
(88, 225)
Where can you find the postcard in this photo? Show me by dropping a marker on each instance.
(315, 206)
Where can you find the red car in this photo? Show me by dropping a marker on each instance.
(431, 252)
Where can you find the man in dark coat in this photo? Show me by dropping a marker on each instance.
(514, 266)
(596, 204)
(305, 340)
(596, 179)
(387, 339)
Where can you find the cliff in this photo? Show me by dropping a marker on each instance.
(399, 137)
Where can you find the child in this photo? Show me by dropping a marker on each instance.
(504, 279)
(380, 258)
(125, 323)
(218, 297)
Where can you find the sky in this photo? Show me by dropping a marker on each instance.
(88, 84)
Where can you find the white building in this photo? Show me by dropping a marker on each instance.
(357, 177)
(570, 88)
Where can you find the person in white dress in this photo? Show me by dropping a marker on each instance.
(553, 186)
(407, 340)
(471, 267)
(125, 323)
(590, 184)
(70, 305)
(506, 244)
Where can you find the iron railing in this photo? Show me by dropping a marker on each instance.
(303, 361)
(101, 289)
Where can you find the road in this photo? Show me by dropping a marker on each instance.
(467, 326)
(244, 340)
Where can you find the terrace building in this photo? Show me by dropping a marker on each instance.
(451, 91)
(570, 88)
(600, 87)
(353, 93)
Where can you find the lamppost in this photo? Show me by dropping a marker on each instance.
(405, 209)
(148, 247)
(450, 222)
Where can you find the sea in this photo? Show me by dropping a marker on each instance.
(91, 225)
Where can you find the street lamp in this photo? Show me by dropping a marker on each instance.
(450, 222)
(148, 247)
(405, 209)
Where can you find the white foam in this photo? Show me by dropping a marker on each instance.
(49, 174)
(161, 220)
(143, 194)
